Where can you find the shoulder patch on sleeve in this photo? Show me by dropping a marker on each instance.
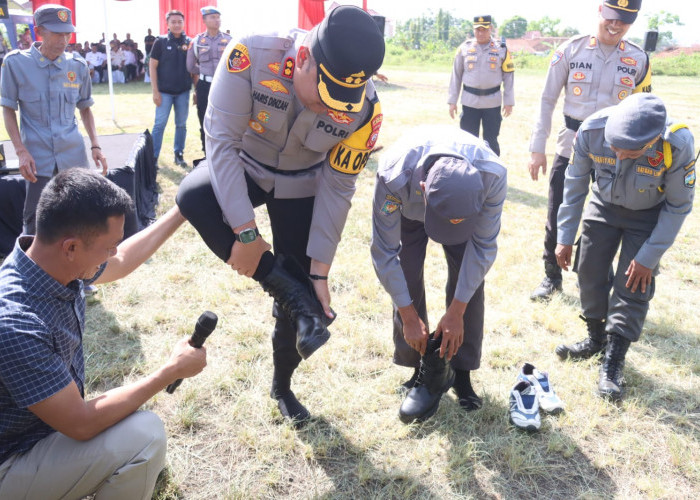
(239, 59)
(507, 66)
(351, 155)
(689, 179)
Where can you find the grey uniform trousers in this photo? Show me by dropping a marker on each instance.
(414, 241)
(606, 227)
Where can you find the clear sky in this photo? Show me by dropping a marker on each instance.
(136, 16)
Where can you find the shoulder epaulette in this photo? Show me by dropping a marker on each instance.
(270, 41)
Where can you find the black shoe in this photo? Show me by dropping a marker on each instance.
(408, 385)
(291, 288)
(587, 348)
(180, 161)
(466, 397)
(611, 379)
(435, 377)
(551, 283)
(291, 408)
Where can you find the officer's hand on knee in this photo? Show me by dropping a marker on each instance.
(638, 276)
(537, 161)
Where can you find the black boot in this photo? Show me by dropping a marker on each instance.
(594, 344)
(550, 284)
(467, 398)
(435, 377)
(408, 385)
(288, 404)
(610, 380)
(291, 288)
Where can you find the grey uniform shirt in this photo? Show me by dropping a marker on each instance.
(397, 192)
(46, 94)
(255, 124)
(204, 52)
(664, 174)
(591, 81)
(482, 67)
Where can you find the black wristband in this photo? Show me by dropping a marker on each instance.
(96, 147)
(317, 277)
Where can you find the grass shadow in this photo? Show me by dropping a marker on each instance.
(352, 471)
(676, 346)
(521, 197)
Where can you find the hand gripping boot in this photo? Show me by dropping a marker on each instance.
(587, 348)
(289, 285)
(435, 377)
(610, 380)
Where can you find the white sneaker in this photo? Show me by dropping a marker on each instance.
(547, 398)
(524, 407)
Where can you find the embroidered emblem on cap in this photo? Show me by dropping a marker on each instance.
(579, 76)
(288, 70)
(263, 116)
(256, 126)
(63, 15)
(456, 221)
(355, 78)
(239, 59)
(275, 86)
(577, 90)
(274, 67)
(689, 179)
(622, 94)
(626, 80)
(71, 76)
(628, 61)
(623, 3)
(556, 57)
(656, 160)
(339, 117)
(374, 135)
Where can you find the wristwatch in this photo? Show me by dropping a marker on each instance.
(247, 235)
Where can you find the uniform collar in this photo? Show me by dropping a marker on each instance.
(43, 61)
(172, 37)
(593, 43)
(41, 282)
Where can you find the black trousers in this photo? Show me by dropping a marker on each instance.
(414, 241)
(290, 221)
(202, 90)
(556, 195)
(490, 121)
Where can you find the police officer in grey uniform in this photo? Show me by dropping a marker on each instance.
(479, 68)
(47, 84)
(292, 120)
(595, 72)
(203, 56)
(446, 185)
(643, 191)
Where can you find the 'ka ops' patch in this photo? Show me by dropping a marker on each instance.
(350, 156)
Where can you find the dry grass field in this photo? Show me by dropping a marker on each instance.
(227, 440)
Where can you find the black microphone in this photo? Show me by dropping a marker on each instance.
(205, 325)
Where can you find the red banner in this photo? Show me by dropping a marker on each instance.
(310, 13)
(69, 4)
(191, 9)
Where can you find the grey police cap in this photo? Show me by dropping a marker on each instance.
(636, 121)
(209, 9)
(454, 195)
(55, 18)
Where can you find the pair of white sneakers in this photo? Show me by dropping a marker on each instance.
(532, 391)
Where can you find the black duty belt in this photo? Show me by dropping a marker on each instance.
(274, 170)
(572, 123)
(474, 91)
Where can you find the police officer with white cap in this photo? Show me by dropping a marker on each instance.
(443, 184)
(643, 191)
(480, 66)
(203, 57)
(595, 71)
(292, 120)
(47, 84)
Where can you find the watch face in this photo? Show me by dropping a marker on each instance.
(247, 235)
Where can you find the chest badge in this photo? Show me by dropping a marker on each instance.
(339, 117)
(579, 76)
(577, 90)
(274, 67)
(256, 126)
(263, 116)
(656, 160)
(622, 94)
(71, 76)
(628, 61)
(275, 86)
(627, 81)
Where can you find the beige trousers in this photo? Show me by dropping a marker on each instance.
(123, 462)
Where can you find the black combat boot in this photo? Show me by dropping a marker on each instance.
(435, 377)
(289, 285)
(594, 344)
(610, 380)
(550, 284)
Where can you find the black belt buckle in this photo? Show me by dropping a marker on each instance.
(572, 123)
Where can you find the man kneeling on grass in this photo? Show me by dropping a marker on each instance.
(54, 443)
(446, 185)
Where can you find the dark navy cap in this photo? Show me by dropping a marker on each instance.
(482, 22)
(209, 9)
(624, 10)
(454, 195)
(636, 121)
(348, 48)
(55, 18)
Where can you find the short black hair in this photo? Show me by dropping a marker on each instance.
(77, 203)
(174, 13)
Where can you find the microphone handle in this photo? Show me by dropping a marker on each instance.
(197, 341)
